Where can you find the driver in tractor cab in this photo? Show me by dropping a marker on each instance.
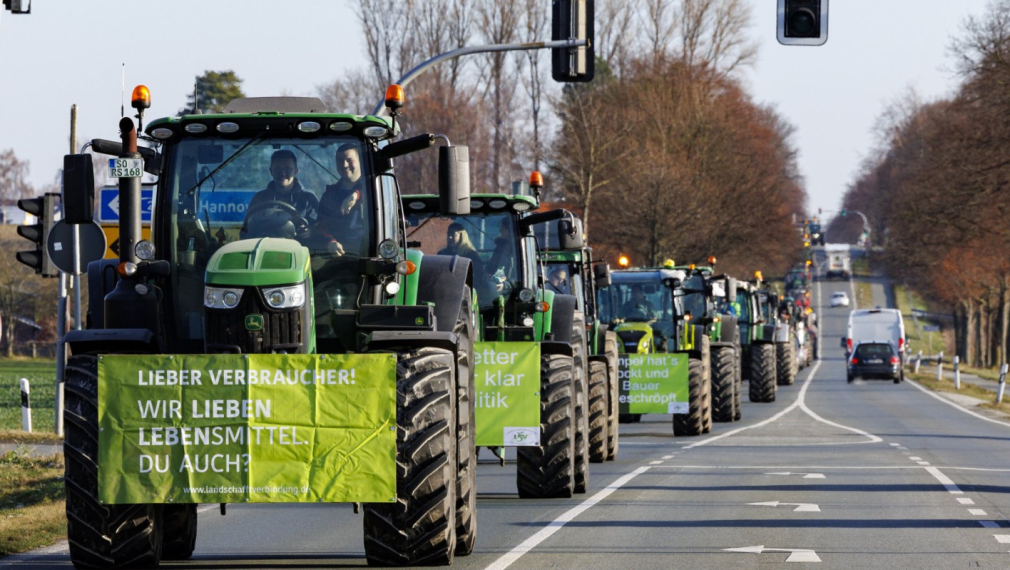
(558, 281)
(638, 306)
(342, 213)
(285, 188)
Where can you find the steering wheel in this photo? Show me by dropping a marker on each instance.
(274, 218)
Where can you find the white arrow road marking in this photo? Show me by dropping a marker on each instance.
(795, 554)
(805, 475)
(800, 507)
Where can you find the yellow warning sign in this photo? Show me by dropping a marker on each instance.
(112, 239)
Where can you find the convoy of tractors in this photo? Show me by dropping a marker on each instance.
(426, 290)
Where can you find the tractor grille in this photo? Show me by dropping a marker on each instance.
(630, 339)
(226, 330)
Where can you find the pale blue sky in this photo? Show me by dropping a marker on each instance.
(67, 52)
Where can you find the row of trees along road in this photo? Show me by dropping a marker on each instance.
(665, 152)
(938, 187)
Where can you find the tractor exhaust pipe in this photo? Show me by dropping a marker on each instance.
(129, 197)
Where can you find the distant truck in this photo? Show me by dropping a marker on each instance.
(839, 261)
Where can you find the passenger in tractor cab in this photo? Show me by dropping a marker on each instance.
(502, 265)
(457, 242)
(341, 210)
(261, 219)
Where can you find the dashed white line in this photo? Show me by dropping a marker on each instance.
(655, 463)
(895, 444)
(667, 457)
(965, 501)
(915, 458)
(554, 526)
(945, 481)
(976, 512)
(1002, 538)
(923, 462)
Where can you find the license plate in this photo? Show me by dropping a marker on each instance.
(874, 361)
(126, 167)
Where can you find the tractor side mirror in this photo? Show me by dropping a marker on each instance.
(78, 189)
(601, 274)
(731, 288)
(454, 180)
(570, 234)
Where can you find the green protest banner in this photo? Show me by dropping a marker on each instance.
(228, 428)
(653, 384)
(508, 393)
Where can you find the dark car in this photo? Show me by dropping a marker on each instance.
(875, 360)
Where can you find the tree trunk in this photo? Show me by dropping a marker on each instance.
(971, 328)
(1005, 323)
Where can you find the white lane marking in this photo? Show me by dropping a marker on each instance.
(989, 524)
(945, 481)
(795, 554)
(1002, 538)
(955, 405)
(800, 507)
(905, 448)
(965, 501)
(554, 526)
(987, 469)
(923, 462)
(976, 512)
(655, 463)
(862, 467)
(667, 457)
(805, 475)
(895, 444)
(915, 458)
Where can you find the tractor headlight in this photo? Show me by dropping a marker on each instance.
(285, 297)
(643, 344)
(144, 250)
(526, 295)
(221, 298)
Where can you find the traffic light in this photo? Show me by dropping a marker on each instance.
(573, 20)
(44, 210)
(803, 22)
(844, 213)
(19, 6)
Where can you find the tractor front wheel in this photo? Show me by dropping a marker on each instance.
(598, 393)
(693, 422)
(723, 383)
(762, 373)
(548, 470)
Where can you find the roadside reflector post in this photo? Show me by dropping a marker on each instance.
(918, 362)
(26, 409)
(939, 366)
(957, 373)
(1002, 384)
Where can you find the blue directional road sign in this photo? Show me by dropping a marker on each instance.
(224, 207)
(108, 210)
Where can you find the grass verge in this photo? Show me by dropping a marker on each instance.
(988, 397)
(31, 502)
(864, 295)
(41, 375)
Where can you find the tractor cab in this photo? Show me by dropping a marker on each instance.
(641, 307)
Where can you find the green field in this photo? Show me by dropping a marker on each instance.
(41, 373)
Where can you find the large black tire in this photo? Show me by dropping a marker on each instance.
(693, 423)
(723, 383)
(598, 420)
(613, 380)
(180, 531)
(762, 373)
(706, 362)
(785, 363)
(581, 383)
(100, 536)
(548, 470)
(466, 450)
(420, 527)
(738, 385)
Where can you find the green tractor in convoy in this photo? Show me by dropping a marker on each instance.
(497, 236)
(570, 270)
(645, 307)
(760, 337)
(226, 276)
(707, 299)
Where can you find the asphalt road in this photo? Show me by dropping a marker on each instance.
(868, 475)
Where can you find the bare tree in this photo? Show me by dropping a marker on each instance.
(659, 23)
(535, 19)
(614, 39)
(498, 21)
(713, 33)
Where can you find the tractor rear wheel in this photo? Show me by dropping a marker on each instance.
(762, 373)
(548, 470)
(706, 364)
(613, 373)
(723, 383)
(692, 423)
(100, 536)
(598, 392)
(785, 365)
(738, 384)
(581, 383)
(180, 531)
(466, 450)
(420, 527)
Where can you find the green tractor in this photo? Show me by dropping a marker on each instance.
(706, 299)
(497, 235)
(645, 307)
(570, 271)
(233, 271)
(758, 337)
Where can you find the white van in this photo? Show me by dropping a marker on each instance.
(876, 325)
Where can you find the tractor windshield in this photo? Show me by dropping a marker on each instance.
(490, 240)
(314, 191)
(635, 302)
(695, 301)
